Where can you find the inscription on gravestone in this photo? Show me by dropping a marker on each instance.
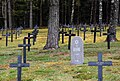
(77, 50)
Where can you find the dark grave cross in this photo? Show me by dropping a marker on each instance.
(100, 27)
(84, 30)
(7, 35)
(24, 45)
(20, 30)
(100, 63)
(29, 37)
(19, 66)
(78, 30)
(16, 34)
(12, 34)
(64, 26)
(62, 32)
(34, 33)
(36, 27)
(68, 27)
(73, 27)
(108, 37)
(69, 41)
(95, 31)
(2, 31)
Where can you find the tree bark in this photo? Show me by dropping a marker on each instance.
(94, 14)
(65, 11)
(10, 19)
(5, 15)
(53, 26)
(114, 19)
(91, 13)
(72, 13)
(31, 17)
(41, 2)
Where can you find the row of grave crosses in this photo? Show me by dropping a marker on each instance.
(19, 65)
(84, 29)
(17, 33)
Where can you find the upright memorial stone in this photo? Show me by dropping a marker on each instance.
(19, 66)
(77, 50)
(100, 63)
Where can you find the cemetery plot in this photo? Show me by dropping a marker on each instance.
(56, 64)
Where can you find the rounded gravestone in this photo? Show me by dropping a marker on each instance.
(77, 50)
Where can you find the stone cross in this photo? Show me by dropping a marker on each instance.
(62, 32)
(77, 50)
(19, 66)
(69, 41)
(108, 37)
(7, 35)
(95, 31)
(100, 63)
(24, 45)
(29, 37)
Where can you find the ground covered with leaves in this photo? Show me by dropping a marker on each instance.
(54, 65)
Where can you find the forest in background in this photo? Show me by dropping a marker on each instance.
(84, 12)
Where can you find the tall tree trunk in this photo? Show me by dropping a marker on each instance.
(10, 19)
(116, 12)
(77, 3)
(91, 13)
(114, 19)
(107, 17)
(31, 17)
(100, 12)
(72, 13)
(95, 8)
(68, 12)
(62, 13)
(41, 2)
(5, 14)
(65, 11)
(53, 26)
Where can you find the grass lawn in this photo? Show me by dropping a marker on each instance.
(54, 65)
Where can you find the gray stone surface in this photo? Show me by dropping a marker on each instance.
(77, 50)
